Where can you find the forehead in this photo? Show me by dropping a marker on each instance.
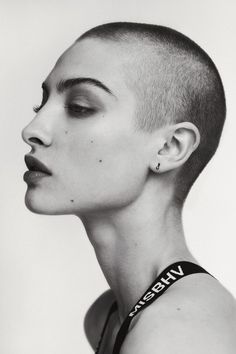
(92, 58)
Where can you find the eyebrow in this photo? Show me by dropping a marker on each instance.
(69, 83)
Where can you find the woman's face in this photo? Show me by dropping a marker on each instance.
(84, 133)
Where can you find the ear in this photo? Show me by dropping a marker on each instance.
(174, 146)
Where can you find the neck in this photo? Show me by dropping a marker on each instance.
(133, 245)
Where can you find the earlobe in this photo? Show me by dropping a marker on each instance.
(180, 141)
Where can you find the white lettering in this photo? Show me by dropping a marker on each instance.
(158, 287)
(136, 307)
(180, 272)
(131, 314)
(170, 276)
(148, 296)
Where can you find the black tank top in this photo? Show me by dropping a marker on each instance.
(169, 276)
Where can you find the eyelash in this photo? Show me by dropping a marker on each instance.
(36, 108)
(71, 108)
(78, 109)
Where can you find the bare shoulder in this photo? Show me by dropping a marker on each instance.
(197, 317)
(95, 317)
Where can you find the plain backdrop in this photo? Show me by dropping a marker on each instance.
(48, 272)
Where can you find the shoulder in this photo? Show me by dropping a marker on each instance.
(96, 316)
(194, 321)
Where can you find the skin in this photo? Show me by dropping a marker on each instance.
(104, 172)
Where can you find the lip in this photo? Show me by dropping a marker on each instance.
(36, 171)
(34, 164)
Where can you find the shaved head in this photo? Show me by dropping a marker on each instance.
(174, 81)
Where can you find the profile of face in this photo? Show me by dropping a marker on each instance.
(84, 134)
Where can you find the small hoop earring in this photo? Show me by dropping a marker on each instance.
(158, 166)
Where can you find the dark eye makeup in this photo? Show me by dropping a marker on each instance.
(75, 109)
(72, 109)
(78, 103)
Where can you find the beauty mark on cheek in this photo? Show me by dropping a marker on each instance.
(72, 200)
(100, 160)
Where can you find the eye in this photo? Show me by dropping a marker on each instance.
(78, 110)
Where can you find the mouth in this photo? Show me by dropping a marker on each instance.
(36, 170)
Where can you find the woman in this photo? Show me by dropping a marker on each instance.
(131, 114)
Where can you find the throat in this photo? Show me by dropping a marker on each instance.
(133, 247)
(130, 268)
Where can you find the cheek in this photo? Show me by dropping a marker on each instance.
(103, 166)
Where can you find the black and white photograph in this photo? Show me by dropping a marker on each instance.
(118, 177)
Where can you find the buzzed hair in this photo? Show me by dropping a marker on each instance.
(177, 82)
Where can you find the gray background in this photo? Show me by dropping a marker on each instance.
(48, 271)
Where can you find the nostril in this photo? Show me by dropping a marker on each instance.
(36, 141)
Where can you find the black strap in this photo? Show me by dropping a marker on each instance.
(112, 309)
(168, 277)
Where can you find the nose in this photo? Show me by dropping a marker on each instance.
(36, 133)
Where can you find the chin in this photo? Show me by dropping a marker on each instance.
(45, 206)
